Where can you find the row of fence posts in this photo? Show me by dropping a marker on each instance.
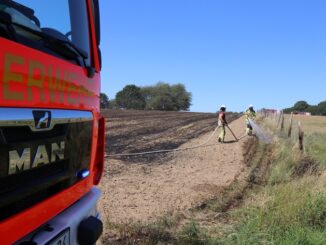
(279, 118)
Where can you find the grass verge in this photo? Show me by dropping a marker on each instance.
(291, 208)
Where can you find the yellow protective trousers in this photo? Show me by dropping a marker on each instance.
(222, 133)
(248, 127)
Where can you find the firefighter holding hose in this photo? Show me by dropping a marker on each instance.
(222, 123)
(250, 115)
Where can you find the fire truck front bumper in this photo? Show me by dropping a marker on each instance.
(78, 224)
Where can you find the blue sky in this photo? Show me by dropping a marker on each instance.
(269, 53)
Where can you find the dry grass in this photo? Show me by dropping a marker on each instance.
(310, 124)
(314, 128)
(290, 209)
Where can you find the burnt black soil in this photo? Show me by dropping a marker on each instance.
(133, 131)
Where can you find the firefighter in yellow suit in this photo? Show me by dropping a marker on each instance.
(250, 114)
(222, 123)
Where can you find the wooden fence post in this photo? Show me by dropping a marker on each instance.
(282, 122)
(301, 135)
(290, 127)
(279, 119)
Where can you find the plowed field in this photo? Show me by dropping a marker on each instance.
(142, 188)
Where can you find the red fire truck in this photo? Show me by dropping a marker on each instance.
(51, 132)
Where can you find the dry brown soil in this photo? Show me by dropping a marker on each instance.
(143, 188)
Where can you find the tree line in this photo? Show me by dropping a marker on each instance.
(161, 96)
(303, 106)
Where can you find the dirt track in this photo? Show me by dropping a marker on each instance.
(142, 191)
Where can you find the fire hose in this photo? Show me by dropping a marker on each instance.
(176, 149)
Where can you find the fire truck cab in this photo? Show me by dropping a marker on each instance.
(51, 133)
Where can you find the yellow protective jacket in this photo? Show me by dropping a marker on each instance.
(250, 114)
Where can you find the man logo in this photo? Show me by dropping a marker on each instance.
(25, 160)
(42, 119)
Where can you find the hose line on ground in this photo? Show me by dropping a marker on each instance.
(169, 150)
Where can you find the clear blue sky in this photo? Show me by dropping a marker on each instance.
(270, 53)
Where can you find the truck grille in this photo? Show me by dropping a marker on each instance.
(39, 160)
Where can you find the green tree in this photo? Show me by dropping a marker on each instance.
(163, 96)
(182, 98)
(160, 97)
(113, 104)
(104, 100)
(130, 97)
(322, 108)
(301, 106)
(313, 110)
